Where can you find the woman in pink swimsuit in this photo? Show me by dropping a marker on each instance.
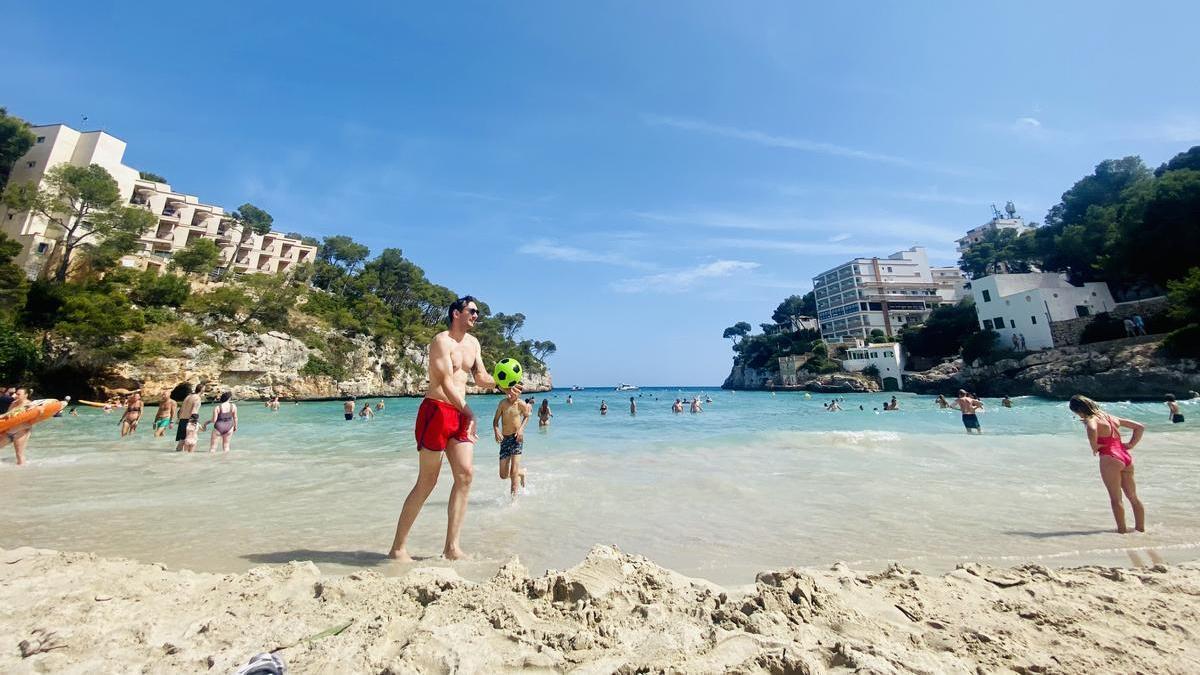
(1116, 464)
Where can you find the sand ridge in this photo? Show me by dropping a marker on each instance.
(614, 612)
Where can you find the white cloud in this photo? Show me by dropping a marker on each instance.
(1028, 122)
(549, 250)
(724, 219)
(679, 281)
(788, 142)
(840, 237)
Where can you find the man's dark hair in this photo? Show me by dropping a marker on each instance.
(458, 306)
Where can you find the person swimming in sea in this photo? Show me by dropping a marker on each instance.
(603, 408)
(366, 413)
(1173, 410)
(1116, 464)
(1006, 402)
(942, 402)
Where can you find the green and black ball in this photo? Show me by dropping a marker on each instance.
(507, 373)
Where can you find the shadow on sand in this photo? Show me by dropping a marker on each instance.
(1063, 533)
(348, 558)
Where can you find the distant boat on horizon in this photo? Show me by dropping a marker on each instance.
(626, 387)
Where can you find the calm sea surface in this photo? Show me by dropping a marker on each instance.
(754, 482)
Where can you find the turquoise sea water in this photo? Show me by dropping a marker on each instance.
(753, 482)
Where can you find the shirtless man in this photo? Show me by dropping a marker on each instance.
(348, 409)
(190, 406)
(446, 426)
(969, 406)
(133, 413)
(165, 416)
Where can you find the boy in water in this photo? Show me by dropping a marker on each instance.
(1173, 409)
(508, 424)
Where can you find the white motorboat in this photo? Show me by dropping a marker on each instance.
(627, 387)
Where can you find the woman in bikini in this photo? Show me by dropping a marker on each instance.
(224, 423)
(544, 413)
(133, 413)
(1116, 464)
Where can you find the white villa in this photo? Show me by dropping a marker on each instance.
(1025, 305)
(888, 357)
(182, 218)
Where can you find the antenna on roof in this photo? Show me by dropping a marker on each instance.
(1010, 210)
(996, 212)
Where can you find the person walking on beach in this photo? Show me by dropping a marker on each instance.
(224, 421)
(1116, 464)
(133, 413)
(348, 409)
(165, 416)
(1173, 410)
(18, 399)
(544, 413)
(188, 408)
(969, 406)
(508, 426)
(446, 426)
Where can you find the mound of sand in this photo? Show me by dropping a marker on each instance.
(614, 612)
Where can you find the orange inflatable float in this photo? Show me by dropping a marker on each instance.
(39, 410)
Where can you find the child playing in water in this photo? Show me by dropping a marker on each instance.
(508, 424)
(193, 429)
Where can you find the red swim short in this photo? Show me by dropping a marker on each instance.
(437, 423)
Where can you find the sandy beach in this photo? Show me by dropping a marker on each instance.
(614, 612)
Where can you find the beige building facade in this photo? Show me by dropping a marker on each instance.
(182, 218)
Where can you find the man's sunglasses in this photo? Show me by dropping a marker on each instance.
(472, 312)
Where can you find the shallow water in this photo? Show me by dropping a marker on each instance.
(752, 483)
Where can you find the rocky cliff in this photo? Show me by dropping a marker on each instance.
(259, 366)
(743, 378)
(1114, 370)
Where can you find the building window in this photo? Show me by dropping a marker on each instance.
(1012, 323)
(1033, 320)
(987, 324)
(31, 164)
(987, 297)
(42, 247)
(999, 321)
(41, 139)
(1082, 310)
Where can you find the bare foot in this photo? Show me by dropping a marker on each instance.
(1122, 531)
(454, 553)
(400, 555)
(522, 478)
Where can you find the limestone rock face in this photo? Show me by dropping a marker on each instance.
(259, 366)
(1116, 370)
(743, 378)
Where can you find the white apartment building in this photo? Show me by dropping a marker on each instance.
(1024, 305)
(888, 357)
(864, 294)
(951, 283)
(998, 222)
(181, 217)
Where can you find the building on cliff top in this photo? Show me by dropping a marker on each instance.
(181, 217)
(864, 294)
(1026, 306)
(1009, 220)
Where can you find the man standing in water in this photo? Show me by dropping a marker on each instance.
(969, 406)
(446, 426)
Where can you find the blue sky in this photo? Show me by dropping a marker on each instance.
(633, 177)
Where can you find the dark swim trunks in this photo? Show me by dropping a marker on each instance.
(509, 446)
(1176, 418)
(349, 417)
(181, 431)
(970, 420)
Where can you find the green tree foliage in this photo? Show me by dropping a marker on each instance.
(737, 332)
(872, 371)
(1079, 228)
(1158, 232)
(19, 356)
(1189, 159)
(13, 285)
(160, 290)
(793, 307)
(85, 203)
(16, 138)
(343, 252)
(199, 257)
(980, 345)
(944, 332)
(1184, 296)
(764, 350)
(147, 175)
(97, 319)
(1000, 250)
